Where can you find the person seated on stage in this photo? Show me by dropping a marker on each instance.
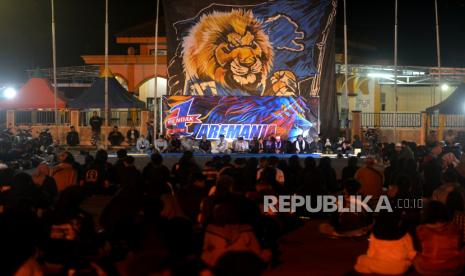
(175, 144)
(241, 145)
(278, 145)
(72, 138)
(253, 145)
(142, 144)
(357, 143)
(205, 146)
(161, 145)
(328, 146)
(221, 146)
(115, 137)
(187, 143)
(300, 145)
(132, 135)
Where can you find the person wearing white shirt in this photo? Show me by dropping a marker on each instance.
(221, 146)
(142, 144)
(272, 162)
(241, 146)
(161, 145)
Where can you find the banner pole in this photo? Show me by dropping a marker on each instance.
(107, 115)
(346, 92)
(395, 73)
(54, 57)
(438, 48)
(155, 55)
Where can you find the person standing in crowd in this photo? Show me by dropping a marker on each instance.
(142, 144)
(205, 145)
(221, 146)
(278, 145)
(156, 175)
(300, 145)
(432, 168)
(115, 137)
(95, 123)
(132, 135)
(46, 185)
(272, 163)
(161, 145)
(97, 175)
(241, 145)
(72, 138)
(351, 169)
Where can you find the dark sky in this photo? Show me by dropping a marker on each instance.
(26, 32)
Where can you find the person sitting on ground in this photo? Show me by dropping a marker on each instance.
(272, 162)
(370, 178)
(352, 167)
(440, 243)
(300, 145)
(132, 135)
(205, 146)
(390, 249)
(156, 175)
(241, 145)
(431, 168)
(115, 137)
(221, 146)
(46, 185)
(349, 224)
(450, 184)
(64, 173)
(175, 144)
(161, 145)
(142, 144)
(97, 175)
(72, 138)
(455, 207)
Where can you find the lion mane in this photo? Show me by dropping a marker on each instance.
(229, 48)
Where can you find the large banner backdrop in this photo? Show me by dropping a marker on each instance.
(246, 117)
(253, 48)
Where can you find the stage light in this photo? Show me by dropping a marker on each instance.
(380, 75)
(444, 87)
(9, 93)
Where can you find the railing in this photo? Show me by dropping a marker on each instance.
(454, 121)
(118, 118)
(389, 120)
(2, 119)
(34, 117)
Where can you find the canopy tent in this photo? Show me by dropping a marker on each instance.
(94, 96)
(454, 104)
(37, 93)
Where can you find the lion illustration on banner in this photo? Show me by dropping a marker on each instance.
(229, 53)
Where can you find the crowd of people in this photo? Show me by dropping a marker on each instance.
(203, 220)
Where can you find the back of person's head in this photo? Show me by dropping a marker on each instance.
(226, 159)
(225, 213)
(325, 163)
(272, 161)
(404, 184)
(388, 226)
(197, 177)
(121, 153)
(70, 199)
(242, 263)
(6, 176)
(156, 158)
(351, 187)
(310, 163)
(455, 202)
(240, 162)
(69, 158)
(294, 161)
(89, 159)
(252, 163)
(101, 156)
(435, 212)
(129, 160)
(450, 176)
(22, 182)
(352, 162)
(268, 175)
(224, 185)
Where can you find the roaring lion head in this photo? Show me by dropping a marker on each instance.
(230, 48)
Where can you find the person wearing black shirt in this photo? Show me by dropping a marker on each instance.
(300, 145)
(278, 145)
(205, 145)
(253, 145)
(72, 138)
(175, 144)
(115, 137)
(95, 123)
(132, 135)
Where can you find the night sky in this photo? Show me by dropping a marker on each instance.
(26, 31)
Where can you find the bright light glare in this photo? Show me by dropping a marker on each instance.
(9, 93)
(380, 75)
(444, 87)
